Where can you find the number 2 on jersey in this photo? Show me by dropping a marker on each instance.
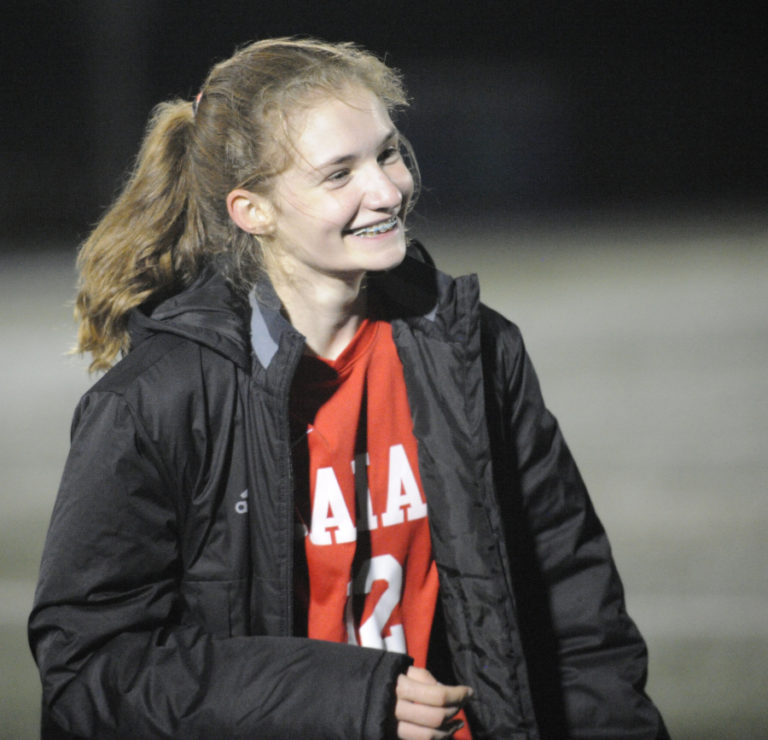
(380, 568)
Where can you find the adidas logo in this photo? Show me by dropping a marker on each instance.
(241, 507)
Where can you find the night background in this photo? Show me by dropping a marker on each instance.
(520, 106)
(602, 165)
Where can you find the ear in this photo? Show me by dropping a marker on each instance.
(251, 212)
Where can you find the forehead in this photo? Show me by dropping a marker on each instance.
(336, 126)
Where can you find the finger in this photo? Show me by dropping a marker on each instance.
(436, 695)
(409, 731)
(420, 674)
(423, 714)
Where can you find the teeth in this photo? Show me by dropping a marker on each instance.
(377, 228)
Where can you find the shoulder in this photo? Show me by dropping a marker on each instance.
(506, 364)
(161, 357)
(499, 331)
(163, 403)
(163, 380)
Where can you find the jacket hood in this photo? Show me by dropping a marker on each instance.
(209, 312)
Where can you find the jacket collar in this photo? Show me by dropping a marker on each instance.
(420, 294)
(409, 290)
(268, 324)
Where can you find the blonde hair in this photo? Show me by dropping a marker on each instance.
(170, 220)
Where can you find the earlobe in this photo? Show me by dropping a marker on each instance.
(253, 213)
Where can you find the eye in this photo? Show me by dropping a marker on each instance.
(389, 155)
(337, 177)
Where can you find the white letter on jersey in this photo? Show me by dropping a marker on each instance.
(402, 491)
(329, 511)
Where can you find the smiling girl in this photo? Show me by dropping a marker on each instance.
(319, 495)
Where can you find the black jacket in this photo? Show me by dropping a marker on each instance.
(164, 607)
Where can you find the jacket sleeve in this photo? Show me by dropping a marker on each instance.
(105, 629)
(569, 593)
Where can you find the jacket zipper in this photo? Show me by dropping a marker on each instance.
(285, 394)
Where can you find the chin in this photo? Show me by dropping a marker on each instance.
(387, 259)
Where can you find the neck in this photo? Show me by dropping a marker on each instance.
(326, 310)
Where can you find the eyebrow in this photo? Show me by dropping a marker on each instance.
(344, 158)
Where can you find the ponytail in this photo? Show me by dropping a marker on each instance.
(147, 245)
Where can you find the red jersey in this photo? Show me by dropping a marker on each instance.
(365, 572)
(372, 579)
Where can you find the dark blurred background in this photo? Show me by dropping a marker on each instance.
(601, 165)
(521, 106)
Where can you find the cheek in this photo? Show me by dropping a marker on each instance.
(339, 208)
(308, 214)
(404, 182)
(328, 215)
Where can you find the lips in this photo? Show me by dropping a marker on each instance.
(376, 229)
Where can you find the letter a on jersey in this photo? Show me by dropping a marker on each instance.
(329, 511)
(403, 491)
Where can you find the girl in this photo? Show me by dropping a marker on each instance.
(319, 496)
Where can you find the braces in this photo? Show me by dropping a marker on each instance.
(378, 228)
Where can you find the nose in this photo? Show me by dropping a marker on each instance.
(382, 192)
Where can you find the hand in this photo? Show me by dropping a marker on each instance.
(425, 708)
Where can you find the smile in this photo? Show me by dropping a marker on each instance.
(377, 229)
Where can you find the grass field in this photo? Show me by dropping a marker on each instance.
(650, 337)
